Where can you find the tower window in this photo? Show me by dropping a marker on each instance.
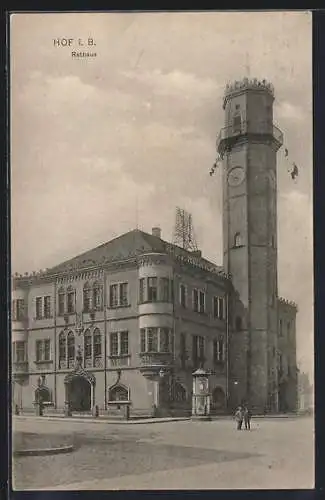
(236, 123)
(238, 240)
(237, 106)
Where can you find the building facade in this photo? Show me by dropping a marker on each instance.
(127, 323)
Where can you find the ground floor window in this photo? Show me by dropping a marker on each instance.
(118, 393)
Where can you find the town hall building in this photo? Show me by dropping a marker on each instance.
(126, 324)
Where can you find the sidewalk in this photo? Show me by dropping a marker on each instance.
(100, 420)
(157, 420)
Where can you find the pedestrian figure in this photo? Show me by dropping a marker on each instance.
(247, 418)
(239, 415)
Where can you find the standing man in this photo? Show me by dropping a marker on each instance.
(247, 418)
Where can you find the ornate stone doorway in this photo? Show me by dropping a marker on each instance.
(218, 400)
(79, 386)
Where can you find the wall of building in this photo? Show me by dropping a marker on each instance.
(287, 360)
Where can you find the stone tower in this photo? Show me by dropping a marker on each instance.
(248, 145)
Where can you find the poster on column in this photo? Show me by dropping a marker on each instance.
(161, 226)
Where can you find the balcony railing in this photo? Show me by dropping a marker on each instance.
(228, 134)
(156, 358)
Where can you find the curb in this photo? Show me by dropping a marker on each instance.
(101, 421)
(44, 451)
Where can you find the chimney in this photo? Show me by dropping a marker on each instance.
(156, 231)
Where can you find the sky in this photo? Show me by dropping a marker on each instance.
(102, 145)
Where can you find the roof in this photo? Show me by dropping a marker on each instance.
(127, 246)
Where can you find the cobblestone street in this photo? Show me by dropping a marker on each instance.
(277, 453)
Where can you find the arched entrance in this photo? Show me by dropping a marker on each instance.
(218, 400)
(80, 391)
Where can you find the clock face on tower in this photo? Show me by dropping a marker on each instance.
(236, 176)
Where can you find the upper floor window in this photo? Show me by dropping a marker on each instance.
(201, 302)
(62, 346)
(288, 328)
(47, 306)
(142, 284)
(119, 343)
(39, 307)
(219, 307)
(118, 295)
(238, 240)
(280, 328)
(182, 295)
(67, 347)
(164, 289)
(198, 301)
(87, 297)
(67, 300)
(88, 347)
(18, 309)
(153, 289)
(43, 350)
(198, 350)
(98, 296)
(164, 340)
(71, 299)
(61, 302)
(43, 307)
(71, 347)
(219, 350)
(195, 300)
(155, 339)
(19, 351)
(97, 343)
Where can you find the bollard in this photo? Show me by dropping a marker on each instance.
(67, 410)
(127, 412)
(96, 411)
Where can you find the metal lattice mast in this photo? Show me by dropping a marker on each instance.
(184, 235)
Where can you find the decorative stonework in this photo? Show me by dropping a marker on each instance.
(288, 303)
(153, 259)
(247, 84)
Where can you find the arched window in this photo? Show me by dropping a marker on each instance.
(62, 347)
(118, 393)
(237, 240)
(71, 298)
(71, 348)
(97, 343)
(238, 323)
(98, 296)
(61, 301)
(87, 344)
(87, 297)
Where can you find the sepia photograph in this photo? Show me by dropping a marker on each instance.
(162, 323)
